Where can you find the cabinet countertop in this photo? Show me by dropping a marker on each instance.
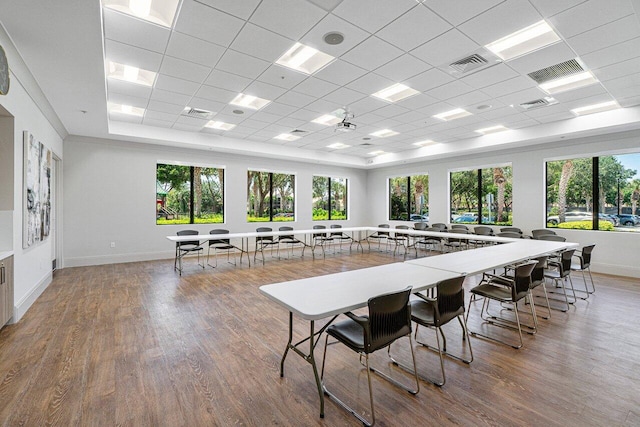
(5, 254)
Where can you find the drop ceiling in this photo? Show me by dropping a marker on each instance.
(216, 49)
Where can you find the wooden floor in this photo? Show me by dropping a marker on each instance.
(138, 345)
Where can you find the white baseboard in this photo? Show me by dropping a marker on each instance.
(616, 270)
(27, 301)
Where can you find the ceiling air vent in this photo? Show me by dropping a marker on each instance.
(196, 112)
(297, 131)
(542, 102)
(469, 63)
(366, 144)
(557, 71)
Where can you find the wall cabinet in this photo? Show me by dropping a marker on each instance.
(6, 290)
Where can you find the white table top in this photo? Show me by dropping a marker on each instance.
(319, 297)
(444, 235)
(275, 233)
(475, 261)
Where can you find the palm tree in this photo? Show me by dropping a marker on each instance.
(500, 181)
(565, 176)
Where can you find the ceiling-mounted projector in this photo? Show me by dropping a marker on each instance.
(345, 126)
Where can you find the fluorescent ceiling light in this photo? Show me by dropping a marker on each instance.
(286, 137)
(492, 129)
(249, 101)
(159, 12)
(304, 59)
(456, 113)
(526, 40)
(130, 74)
(327, 120)
(384, 133)
(424, 143)
(377, 152)
(573, 81)
(219, 125)
(595, 108)
(126, 109)
(395, 93)
(338, 145)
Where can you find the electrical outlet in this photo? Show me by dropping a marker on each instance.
(113, 244)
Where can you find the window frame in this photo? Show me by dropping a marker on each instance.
(271, 194)
(409, 204)
(329, 197)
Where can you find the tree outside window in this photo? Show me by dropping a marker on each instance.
(482, 196)
(329, 198)
(189, 194)
(409, 198)
(270, 196)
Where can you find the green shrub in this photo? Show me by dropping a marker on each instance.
(586, 225)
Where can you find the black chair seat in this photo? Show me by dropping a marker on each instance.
(424, 313)
(349, 333)
(494, 292)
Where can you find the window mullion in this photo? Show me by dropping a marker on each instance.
(595, 190)
(479, 194)
(192, 192)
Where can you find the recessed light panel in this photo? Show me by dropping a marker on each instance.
(304, 59)
(219, 125)
(395, 93)
(126, 109)
(286, 137)
(384, 133)
(524, 41)
(570, 82)
(424, 143)
(338, 146)
(327, 120)
(595, 108)
(159, 12)
(249, 101)
(492, 129)
(130, 74)
(456, 113)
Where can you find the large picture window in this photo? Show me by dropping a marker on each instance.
(482, 196)
(409, 198)
(594, 193)
(270, 196)
(189, 194)
(329, 198)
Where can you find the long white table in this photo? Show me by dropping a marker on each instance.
(327, 296)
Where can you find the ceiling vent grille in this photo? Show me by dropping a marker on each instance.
(542, 102)
(297, 131)
(366, 144)
(557, 71)
(198, 113)
(469, 63)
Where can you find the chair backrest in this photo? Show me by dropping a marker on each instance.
(288, 236)
(541, 232)
(383, 233)
(263, 230)
(439, 225)
(219, 241)
(459, 227)
(337, 233)
(335, 226)
(510, 234)
(389, 319)
(187, 233)
(511, 230)
(522, 279)
(482, 230)
(565, 262)
(420, 225)
(537, 275)
(552, 238)
(585, 259)
(319, 235)
(450, 300)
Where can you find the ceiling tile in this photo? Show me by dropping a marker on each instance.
(366, 105)
(445, 48)
(370, 83)
(374, 14)
(216, 94)
(620, 69)
(304, 114)
(254, 124)
(300, 16)
(264, 90)
(507, 87)
(417, 101)
(186, 128)
(241, 64)
(612, 54)
(158, 115)
(265, 117)
(156, 123)
(331, 23)
(552, 7)
(227, 81)
(242, 9)
(429, 79)
(315, 87)
(402, 68)
(125, 99)
(455, 14)
(415, 27)
(340, 72)
(322, 106)
(192, 121)
(392, 110)
(581, 93)
(372, 53)
(207, 104)
(295, 99)
(344, 96)
(173, 84)
(449, 90)
(471, 98)
(521, 96)
(143, 34)
(120, 86)
(193, 49)
(489, 76)
(165, 107)
(542, 58)
(131, 55)
(606, 35)
(566, 115)
(196, 20)
(261, 43)
(282, 76)
(171, 97)
(125, 118)
(183, 69)
(588, 15)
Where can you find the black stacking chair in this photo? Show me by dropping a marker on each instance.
(290, 241)
(559, 272)
(552, 238)
(439, 225)
(320, 239)
(400, 239)
(420, 226)
(340, 236)
(437, 312)
(184, 248)
(505, 289)
(221, 245)
(456, 243)
(584, 264)
(482, 230)
(510, 234)
(389, 319)
(379, 236)
(510, 230)
(429, 241)
(459, 227)
(264, 242)
(537, 280)
(535, 234)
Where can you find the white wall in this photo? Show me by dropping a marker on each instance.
(615, 253)
(32, 267)
(109, 196)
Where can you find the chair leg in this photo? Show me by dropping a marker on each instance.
(485, 309)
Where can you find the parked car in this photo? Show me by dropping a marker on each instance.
(581, 216)
(466, 219)
(419, 218)
(626, 219)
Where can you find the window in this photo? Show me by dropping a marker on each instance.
(270, 196)
(329, 198)
(189, 194)
(608, 185)
(481, 196)
(409, 198)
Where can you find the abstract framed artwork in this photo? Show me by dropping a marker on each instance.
(37, 191)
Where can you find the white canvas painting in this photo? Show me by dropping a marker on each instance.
(37, 191)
